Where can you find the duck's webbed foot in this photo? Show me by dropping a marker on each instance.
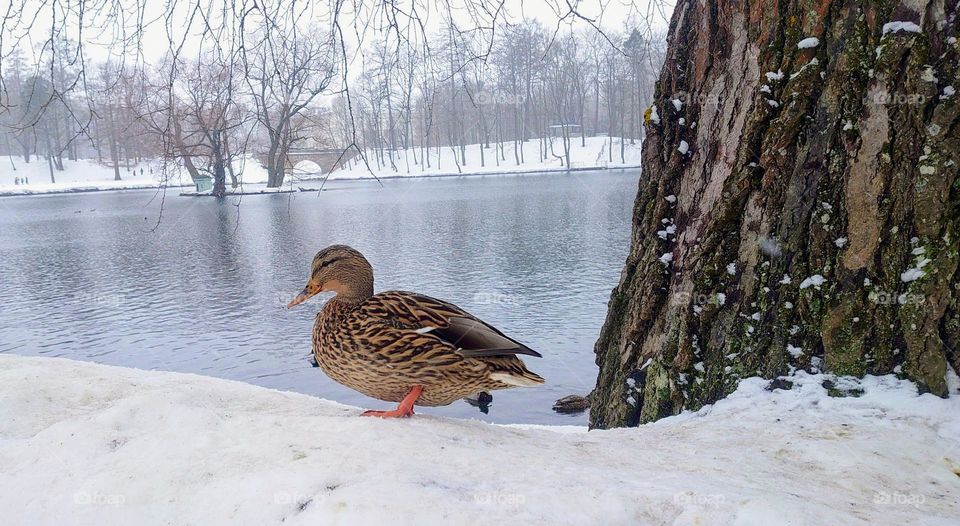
(404, 410)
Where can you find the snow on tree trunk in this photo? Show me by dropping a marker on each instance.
(798, 206)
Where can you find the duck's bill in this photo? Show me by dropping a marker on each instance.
(300, 298)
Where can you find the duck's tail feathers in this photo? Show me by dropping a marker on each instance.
(524, 379)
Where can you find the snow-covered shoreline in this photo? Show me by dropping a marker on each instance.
(93, 444)
(86, 175)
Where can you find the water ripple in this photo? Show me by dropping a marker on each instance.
(535, 255)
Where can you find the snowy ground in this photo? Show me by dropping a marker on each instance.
(594, 155)
(81, 175)
(89, 444)
(89, 175)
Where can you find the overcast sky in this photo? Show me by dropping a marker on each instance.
(102, 32)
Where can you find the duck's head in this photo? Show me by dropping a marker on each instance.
(340, 269)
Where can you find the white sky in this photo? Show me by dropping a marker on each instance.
(101, 34)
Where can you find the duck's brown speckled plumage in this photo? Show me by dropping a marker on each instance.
(381, 345)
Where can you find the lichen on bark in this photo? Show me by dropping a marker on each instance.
(816, 214)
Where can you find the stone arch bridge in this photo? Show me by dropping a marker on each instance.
(327, 159)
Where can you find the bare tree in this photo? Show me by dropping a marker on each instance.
(286, 70)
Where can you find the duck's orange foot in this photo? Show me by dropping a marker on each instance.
(396, 413)
(404, 410)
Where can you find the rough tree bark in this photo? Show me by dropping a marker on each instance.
(813, 220)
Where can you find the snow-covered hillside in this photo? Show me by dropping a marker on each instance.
(91, 444)
(596, 154)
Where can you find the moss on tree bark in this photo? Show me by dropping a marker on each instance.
(813, 223)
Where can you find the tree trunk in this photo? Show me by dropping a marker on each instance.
(219, 177)
(276, 162)
(814, 221)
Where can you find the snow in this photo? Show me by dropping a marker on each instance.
(677, 104)
(671, 198)
(901, 25)
(840, 242)
(732, 269)
(669, 230)
(796, 352)
(813, 62)
(86, 175)
(683, 148)
(912, 274)
(666, 258)
(773, 103)
(89, 175)
(102, 445)
(80, 175)
(809, 42)
(654, 116)
(595, 155)
(948, 91)
(813, 281)
(771, 76)
(916, 272)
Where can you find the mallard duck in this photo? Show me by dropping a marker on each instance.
(401, 346)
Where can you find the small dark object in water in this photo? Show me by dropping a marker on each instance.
(572, 404)
(482, 401)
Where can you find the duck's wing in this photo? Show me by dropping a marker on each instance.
(471, 336)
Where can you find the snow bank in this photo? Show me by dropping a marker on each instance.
(93, 444)
(80, 175)
(87, 175)
(595, 155)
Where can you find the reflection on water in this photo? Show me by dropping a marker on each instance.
(86, 276)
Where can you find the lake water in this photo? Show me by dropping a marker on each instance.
(95, 277)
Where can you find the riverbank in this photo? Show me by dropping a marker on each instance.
(89, 176)
(302, 185)
(93, 444)
(593, 153)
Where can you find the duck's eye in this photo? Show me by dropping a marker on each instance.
(329, 262)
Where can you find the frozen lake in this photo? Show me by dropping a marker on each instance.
(86, 276)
